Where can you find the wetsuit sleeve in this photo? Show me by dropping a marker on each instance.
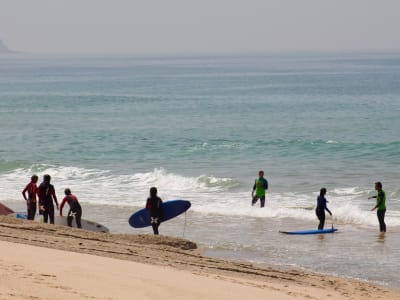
(148, 206)
(62, 205)
(266, 184)
(254, 186)
(24, 191)
(53, 193)
(40, 195)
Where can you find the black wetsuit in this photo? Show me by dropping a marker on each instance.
(154, 205)
(320, 211)
(46, 192)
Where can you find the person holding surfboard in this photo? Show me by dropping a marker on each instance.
(75, 209)
(259, 188)
(321, 207)
(380, 205)
(32, 190)
(153, 204)
(47, 195)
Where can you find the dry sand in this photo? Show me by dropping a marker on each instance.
(63, 263)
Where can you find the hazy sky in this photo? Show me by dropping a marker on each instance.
(198, 26)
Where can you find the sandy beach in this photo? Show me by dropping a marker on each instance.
(41, 261)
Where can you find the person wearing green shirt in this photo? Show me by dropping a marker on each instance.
(380, 205)
(259, 188)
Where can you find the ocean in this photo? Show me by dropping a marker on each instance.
(200, 128)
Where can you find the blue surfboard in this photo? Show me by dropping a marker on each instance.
(312, 231)
(170, 209)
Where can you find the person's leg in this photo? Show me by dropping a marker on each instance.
(321, 217)
(45, 214)
(31, 210)
(381, 219)
(51, 214)
(155, 223)
(254, 201)
(262, 201)
(78, 216)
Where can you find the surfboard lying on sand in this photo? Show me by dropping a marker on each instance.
(312, 231)
(62, 220)
(170, 209)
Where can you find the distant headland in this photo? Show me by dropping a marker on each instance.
(5, 49)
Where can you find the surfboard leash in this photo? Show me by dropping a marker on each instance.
(184, 227)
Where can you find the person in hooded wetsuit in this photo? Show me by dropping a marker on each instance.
(47, 195)
(32, 190)
(380, 206)
(153, 204)
(321, 207)
(75, 209)
(259, 188)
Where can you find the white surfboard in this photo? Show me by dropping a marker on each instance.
(62, 220)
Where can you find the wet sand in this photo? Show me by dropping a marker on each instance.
(121, 266)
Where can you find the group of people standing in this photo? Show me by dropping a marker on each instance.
(261, 185)
(45, 197)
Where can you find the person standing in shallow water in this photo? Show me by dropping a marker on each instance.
(47, 195)
(259, 188)
(153, 204)
(321, 207)
(32, 190)
(380, 205)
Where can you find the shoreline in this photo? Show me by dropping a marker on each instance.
(179, 255)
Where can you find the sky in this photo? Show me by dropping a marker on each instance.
(199, 26)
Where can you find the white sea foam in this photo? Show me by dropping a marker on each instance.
(208, 194)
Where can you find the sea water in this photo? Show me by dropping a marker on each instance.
(200, 128)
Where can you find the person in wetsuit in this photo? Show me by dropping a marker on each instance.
(47, 195)
(259, 188)
(153, 204)
(75, 209)
(32, 190)
(380, 205)
(321, 207)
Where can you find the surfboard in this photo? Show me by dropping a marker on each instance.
(170, 209)
(62, 220)
(312, 231)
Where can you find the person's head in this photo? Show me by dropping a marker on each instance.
(153, 191)
(261, 173)
(322, 192)
(378, 186)
(67, 192)
(46, 178)
(34, 178)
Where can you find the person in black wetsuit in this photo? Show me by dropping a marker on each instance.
(153, 204)
(75, 209)
(321, 207)
(47, 195)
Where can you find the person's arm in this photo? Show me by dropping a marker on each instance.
(62, 205)
(254, 188)
(148, 203)
(53, 194)
(40, 196)
(24, 191)
(327, 209)
(266, 184)
(380, 200)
